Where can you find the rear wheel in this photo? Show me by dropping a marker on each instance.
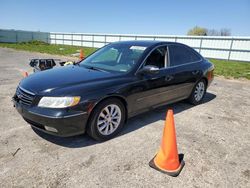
(106, 120)
(198, 92)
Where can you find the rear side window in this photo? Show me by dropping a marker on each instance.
(180, 55)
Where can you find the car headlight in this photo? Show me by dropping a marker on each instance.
(58, 102)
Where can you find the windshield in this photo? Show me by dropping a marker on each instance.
(115, 57)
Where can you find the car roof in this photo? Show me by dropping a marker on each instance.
(144, 42)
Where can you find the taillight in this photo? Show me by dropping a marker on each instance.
(210, 75)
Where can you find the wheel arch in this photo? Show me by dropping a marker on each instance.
(206, 80)
(120, 98)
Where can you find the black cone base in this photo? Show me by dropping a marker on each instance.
(170, 173)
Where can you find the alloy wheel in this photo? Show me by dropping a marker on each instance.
(199, 91)
(109, 119)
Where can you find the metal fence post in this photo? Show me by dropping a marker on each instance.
(63, 38)
(71, 39)
(81, 40)
(93, 41)
(175, 39)
(16, 37)
(32, 35)
(200, 45)
(105, 39)
(48, 38)
(230, 49)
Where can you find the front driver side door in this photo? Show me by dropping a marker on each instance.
(151, 86)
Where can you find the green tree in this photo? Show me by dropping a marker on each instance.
(198, 31)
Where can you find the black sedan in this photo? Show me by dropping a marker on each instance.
(111, 85)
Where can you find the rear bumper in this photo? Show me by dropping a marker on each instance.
(58, 122)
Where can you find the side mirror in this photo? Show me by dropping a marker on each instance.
(149, 69)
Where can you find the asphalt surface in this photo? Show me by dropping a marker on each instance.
(214, 138)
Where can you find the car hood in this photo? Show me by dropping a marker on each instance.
(63, 77)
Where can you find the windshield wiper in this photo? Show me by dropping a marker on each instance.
(94, 68)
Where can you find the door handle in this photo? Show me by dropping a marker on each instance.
(195, 72)
(169, 78)
(154, 78)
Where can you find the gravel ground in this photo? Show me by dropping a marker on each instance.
(214, 138)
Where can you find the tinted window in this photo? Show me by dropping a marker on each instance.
(157, 58)
(180, 55)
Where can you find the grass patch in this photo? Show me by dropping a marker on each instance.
(231, 69)
(42, 47)
(228, 69)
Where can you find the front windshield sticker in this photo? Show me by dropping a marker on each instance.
(138, 48)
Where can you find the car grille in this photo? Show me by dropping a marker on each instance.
(24, 97)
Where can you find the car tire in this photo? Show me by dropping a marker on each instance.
(104, 123)
(198, 92)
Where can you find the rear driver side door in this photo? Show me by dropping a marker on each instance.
(185, 69)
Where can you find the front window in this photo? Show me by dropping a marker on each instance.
(158, 58)
(115, 57)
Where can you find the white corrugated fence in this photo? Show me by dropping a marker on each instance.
(228, 48)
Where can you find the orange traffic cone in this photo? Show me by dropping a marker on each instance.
(167, 159)
(81, 55)
(25, 74)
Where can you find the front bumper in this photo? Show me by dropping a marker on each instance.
(60, 122)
